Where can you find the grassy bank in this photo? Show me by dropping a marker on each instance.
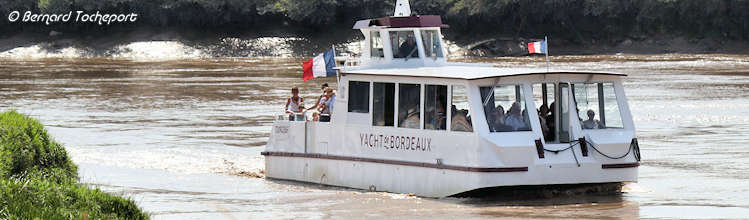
(38, 179)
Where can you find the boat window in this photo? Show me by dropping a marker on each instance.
(435, 107)
(404, 44)
(358, 97)
(409, 105)
(376, 44)
(597, 106)
(505, 108)
(543, 97)
(460, 119)
(383, 104)
(431, 41)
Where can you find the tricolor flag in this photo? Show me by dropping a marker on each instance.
(320, 66)
(537, 47)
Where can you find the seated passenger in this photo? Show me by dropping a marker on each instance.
(326, 109)
(295, 104)
(411, 119)
(460, 121)
(514, 117)
(499, 120)
(591, 123)
(408, 48)
(438, 119)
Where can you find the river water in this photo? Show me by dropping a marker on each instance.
(178, 136)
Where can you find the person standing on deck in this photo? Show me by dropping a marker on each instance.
(294, 105)
(315, 113)
(328, 101)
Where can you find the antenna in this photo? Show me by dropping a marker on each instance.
(402, 8)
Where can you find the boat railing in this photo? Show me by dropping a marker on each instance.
(299, 116)
(348, 61)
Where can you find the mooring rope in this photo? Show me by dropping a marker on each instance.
(633, 147)
(629, 150)
(571, 147)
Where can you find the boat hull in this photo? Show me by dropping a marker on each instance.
(433, 180)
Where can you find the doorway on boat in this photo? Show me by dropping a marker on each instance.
(553, 114)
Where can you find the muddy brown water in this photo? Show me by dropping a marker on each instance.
(172, 134)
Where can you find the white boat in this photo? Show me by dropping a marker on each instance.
(420, 124)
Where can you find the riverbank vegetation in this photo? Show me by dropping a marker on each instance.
(482, 28)
(576, 20)
(39, 181)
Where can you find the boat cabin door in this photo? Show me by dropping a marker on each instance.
(560, 113)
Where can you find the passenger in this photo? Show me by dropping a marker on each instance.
(460, 121)
(550, 123)
(526, 120)
(411, 119)
(408, 48)
(327, 103)
(315, 113)
(439, 118)
(591, 123)
(295, 104)
(499, 120)
(542, 113)
(514, 118)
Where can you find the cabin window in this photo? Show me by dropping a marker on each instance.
(597, 106)
(358, 101)
(505, 108)
(404, 44)
(543, 97)
(376, 44)
(383, 104)
(460, 118)
(431, 41)
(409, 105)
(435, 107)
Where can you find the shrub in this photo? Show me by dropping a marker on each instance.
(39, 181)
(27, 149)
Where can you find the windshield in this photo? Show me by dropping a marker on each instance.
(596, 105)
(404, 44)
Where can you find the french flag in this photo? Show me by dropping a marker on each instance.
(320, 66)
(537, 47)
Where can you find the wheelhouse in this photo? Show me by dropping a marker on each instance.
(410, 40)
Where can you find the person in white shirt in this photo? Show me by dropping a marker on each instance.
(591, 123)
(295, 104)
(328, 102)
(514, 117)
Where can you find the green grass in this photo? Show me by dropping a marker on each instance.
(38, 179)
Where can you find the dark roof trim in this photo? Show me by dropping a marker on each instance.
(401, 22)
(487, 77)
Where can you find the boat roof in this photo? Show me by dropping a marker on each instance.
(468, 72)
(402, 22)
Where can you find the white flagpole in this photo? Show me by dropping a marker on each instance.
(546, 44)
(337, 77)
